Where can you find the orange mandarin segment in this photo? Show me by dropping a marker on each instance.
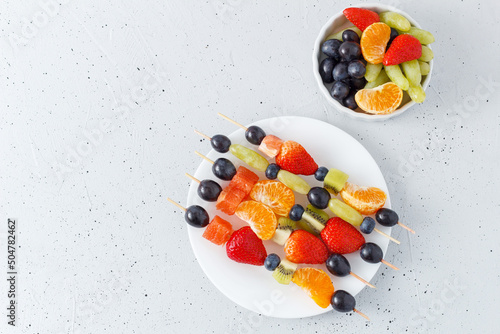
(316, 283)
(374, 42)
(274, 194)
(260, 217)
(380, 100)
(367, 200)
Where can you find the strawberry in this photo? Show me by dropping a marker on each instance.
(360, 17)
(295, 159)
(341, 237)
(304, 247)
(245, 247)
(403, 48)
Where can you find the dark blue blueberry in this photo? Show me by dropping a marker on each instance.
(339, 90)
(356, 69)
(220, 143)
(272, 262)
(371, 253)
(296, 212)
(272, 171)
(394, 34)
(319, 197)
(343, 301)
(350, 101)
(387, 217)
(209, 190)
(350, 36)
(196, 216)
(357, 83)
(350, 51)
(331, 48)
(224, 169)
(321, 174)
(326, 69)
(254, 135)
(367, 225)
(340, 72)
(338, 265)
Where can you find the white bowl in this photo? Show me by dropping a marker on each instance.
(339, 22)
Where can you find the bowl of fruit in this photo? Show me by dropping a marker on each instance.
(373, 61)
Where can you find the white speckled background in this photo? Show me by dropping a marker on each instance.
(98, 105)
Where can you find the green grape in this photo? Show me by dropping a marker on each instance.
(381, 79)
(372, 71)
(339, 34)
(394, 73)
(423, 36)
(294, 182)
(412, 72)
(250, 157)
(345, 212)
(395, 20)
(427, 54)
(425, 68)
(417, 93)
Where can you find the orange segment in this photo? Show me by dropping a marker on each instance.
(316, 283)
(367, 200)
(274, 194)
(374, 42)
(380, 100)
(260, 217)
(218, 231)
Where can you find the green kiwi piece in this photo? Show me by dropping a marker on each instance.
(285, 227)
(322, 214)
(314, 220)
(335, 180)
(284, 272)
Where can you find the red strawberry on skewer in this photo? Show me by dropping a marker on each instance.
(304, 247)
(295, 159)
(341, 237)
(244, 246)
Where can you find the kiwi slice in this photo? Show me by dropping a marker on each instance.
(284, 272)
(314, 220)
(322, 214)
(335, 180)
(285, 227)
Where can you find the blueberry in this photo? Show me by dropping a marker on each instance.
(340, 72)
(220, 143)
(331, 48)
(371, 253)
(196, 216)
(320, 174)
(339, 90)
(209, 190)
(224, 169)
(394, 34)
(319, 197)
(272, 171)
(343, 301)
(350, 36)
(356, 69)
(338, 265)
(367, 225)
(350, 51)
(357, 83)
(272, 262)
(350, 101)
(387, 217)
(326, 68)
(254, 135)
(296, 212)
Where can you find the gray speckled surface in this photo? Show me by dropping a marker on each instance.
(98, 107)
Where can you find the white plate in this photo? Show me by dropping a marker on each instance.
(253, 287)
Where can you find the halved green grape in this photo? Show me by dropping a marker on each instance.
(294, 182)
(394, 73)
(338, 35)
(417, 93)
(372, 71)
(250, 157)
(425, 68)
(423, 36)
(427, 54)
(335, 180)
(345, 212)
(381, 79)
(395, 20)
(412, 72)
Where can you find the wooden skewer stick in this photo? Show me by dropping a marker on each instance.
(176, 204)
(193, 178)
(362, 314)
(389, 265)
(202, 134)
(387, 236)
(232, 121)
(204, 157)
(406, 227)
(364, 281)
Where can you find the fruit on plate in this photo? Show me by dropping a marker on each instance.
(218, 231)
(220, 143)
(245, 179)
(284, 272)
(272, 261)
(275, 195)
(395, 20)
(381, 100)
(295, 159)
(285, 228)
(294, 182)
(387, 217)
(312, 218)
(371, 253)
(272, 171)
(224, 169)
(254, 134)
(196, 216)
(259, 216)
(360, 17)
(335, 180)
(341, 237)
(345, 212)
(368, 225)
(209, 190)
(229, 199)
(366, 200)
(374, 42)
(250, 157)
(304, 247)
(338, 265)
(319, 197)
(245, 247)
(381, 79)
(343, 301)
(316, 283)
(271, 145)
(403, 48)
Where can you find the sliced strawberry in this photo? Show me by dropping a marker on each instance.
(295, 159)
(341, 237)
(304, 247)
(360, 17)
(403, 48)
(245, 247)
